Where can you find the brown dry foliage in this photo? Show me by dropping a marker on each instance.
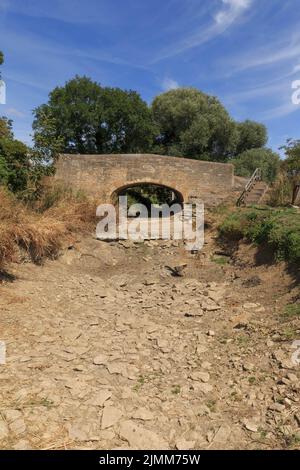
(42, 233)
(281, 191)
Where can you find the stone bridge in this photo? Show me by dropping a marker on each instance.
(104, 176)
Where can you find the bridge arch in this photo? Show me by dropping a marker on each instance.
(177, 197)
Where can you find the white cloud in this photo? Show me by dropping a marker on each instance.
(15, 112)
(169, 84)
(228, 14)
(234, 8)
(280, 111)
(286, 49)
(275, 88)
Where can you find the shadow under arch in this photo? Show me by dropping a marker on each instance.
(148, 193)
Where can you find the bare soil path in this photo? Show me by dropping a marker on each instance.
(107, 349)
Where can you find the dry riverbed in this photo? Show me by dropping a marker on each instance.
(107, 348)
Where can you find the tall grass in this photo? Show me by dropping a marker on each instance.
(42, 228)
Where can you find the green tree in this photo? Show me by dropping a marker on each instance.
(6, 128)
(1, 58)
(48, 144)
(291, 166)
(194, 125)
(14, 164)
(72, 114)
(252, 135)
(263, 158)
(21, 168)
(127, 124)
(83, 117)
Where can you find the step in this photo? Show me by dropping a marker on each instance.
(256, 194)
(257, 191)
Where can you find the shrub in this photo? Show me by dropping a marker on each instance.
(278, 228)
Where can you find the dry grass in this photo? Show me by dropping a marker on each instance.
(42, 230)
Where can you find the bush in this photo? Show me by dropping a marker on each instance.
(21, 168)
(278, 228)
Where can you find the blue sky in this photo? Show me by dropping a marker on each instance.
(246, 52)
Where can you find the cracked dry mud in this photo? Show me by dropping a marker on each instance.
(106, 349)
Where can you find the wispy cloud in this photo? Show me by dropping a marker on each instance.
(169, 84)
(228, 13)
(296, 68)
(280, 111)
(234, 8)
(286, 49)
(281, 87)
(15, 113)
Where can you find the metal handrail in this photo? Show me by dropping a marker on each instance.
(257, 176)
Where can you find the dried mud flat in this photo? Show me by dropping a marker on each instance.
(106, 349)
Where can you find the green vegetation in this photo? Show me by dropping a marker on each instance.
(252, 135)
(287, 184)
(252, 380)
(265, 159)
(176, 389)
(211, 405)
(195, 125)
(292, 162)
(277, 228)
(20, 167)
(220, 260)
(141, 381)
(291, 312)
(292, 440)
(84, 117)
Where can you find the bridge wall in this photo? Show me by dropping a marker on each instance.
(102, 175)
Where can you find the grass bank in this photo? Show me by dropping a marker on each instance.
(279, 229)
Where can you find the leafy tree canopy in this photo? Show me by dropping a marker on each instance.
(20, 167)
(1, 58)
(83, 117)
(263, 158)
(252, 135)
(14, 161)
(6, 128)
(194, 124)
(292, 162)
